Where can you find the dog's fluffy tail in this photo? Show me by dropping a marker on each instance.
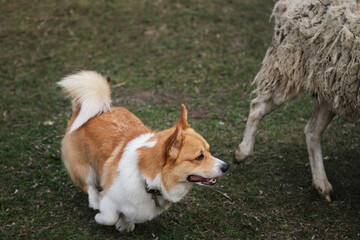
(91, 95)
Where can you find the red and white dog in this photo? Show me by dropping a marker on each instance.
(140, 171)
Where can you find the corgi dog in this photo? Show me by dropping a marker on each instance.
(130, 172)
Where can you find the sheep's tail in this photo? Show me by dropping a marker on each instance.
(90, 93)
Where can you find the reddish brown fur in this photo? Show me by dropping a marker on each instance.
(93, 144)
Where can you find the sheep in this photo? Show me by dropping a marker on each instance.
(315, 49)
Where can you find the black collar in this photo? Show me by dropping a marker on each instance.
(154, 193)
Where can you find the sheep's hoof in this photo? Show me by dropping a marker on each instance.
(325, 189)
(239, 157)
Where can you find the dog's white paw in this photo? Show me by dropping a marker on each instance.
(106, 219)
(99, 218)
(123, 226)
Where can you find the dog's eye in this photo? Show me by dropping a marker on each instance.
(201, 157)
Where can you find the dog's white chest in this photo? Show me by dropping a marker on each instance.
(127, 193)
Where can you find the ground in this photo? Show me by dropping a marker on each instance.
(157, 55)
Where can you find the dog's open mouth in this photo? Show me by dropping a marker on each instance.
(201, 180)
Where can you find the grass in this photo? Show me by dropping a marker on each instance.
(159, 54)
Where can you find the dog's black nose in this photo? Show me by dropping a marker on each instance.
(224, 167)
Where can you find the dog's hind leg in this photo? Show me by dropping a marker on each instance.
(314, 129)
(85, 177)
(80, 171)
(259, 108)
(92, 191)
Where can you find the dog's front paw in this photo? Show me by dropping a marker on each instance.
(123, 226)
(106, 219)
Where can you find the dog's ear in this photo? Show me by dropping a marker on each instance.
(182, 122)
(173, 143)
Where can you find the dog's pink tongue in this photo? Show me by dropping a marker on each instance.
(197, 178)
(206, 181)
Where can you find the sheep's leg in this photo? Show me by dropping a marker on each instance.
(258, 110)
(314, 129)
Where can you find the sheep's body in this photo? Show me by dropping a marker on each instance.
(315, 48)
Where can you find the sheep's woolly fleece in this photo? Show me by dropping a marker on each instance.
(315, 48)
